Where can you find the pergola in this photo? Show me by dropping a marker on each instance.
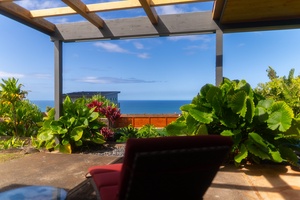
(227, 16)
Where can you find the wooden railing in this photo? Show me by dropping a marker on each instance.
(139, 120)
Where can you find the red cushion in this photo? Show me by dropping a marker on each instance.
(109, 193)
(105, 168)
(106, 179)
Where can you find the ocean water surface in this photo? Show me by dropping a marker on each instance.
(135, 106)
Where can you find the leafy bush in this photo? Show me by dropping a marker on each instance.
(262, 129)
(77, 125)
(123, 134)
(11, 142)
(147, 131)
(19, 117)
(282, 89)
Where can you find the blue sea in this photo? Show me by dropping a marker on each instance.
(136, 106)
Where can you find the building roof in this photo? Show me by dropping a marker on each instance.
(92, 93)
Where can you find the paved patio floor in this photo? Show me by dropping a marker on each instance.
(262, 182)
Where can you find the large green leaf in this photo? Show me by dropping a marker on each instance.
(257, 146)
(212, 93)
(228, 118)
(176, 128)
(262, 114)
(280, 117)
(289, 155)
(237, 103)
(45, 135)
(93, 116)
(65, 148)
(200, 116)
(201, 130)
(227, 133)
(242, 154)
(259, 141)
(250, 110)
(98, 140)
(187, 107)
(276, 157)
(76, 133)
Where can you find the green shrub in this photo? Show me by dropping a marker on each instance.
(284, 88)
(262, 129)
(147, 131)
(11, 142)
(18, 116)
(123, 134)
(77, 125)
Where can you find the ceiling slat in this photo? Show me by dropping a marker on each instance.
(81, 9)
(150, 11)
(23, 15)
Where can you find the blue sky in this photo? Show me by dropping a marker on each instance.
(167, 68)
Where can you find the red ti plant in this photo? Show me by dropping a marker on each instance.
(107, 133)
(110, 112)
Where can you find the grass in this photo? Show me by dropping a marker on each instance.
(4, 157)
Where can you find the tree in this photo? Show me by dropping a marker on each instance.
(282, 89)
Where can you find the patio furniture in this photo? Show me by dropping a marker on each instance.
(180, 167)
(34, 192)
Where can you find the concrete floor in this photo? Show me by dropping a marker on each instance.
(262, 182)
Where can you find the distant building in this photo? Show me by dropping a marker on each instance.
(110, 95)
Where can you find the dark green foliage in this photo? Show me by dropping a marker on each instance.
(262, 129)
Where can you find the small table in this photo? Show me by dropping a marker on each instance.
(34, 193)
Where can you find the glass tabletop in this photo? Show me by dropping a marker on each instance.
(34, 193)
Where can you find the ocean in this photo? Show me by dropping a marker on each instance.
(135, 106)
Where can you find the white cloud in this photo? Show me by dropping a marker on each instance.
(37, 4)
(204, 38)
(172, 9)
(138, 45)
(143, 55)
(43, 76)
(202, 46)
(110, 80)
(110, 47)
(10, 75)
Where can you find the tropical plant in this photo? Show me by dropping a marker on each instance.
(111, 112)
(124, 133)
(282, 89)
(147, 131)
(262, 129)
(19, 117)
(10, 95)
(77, 125)
(12, 142)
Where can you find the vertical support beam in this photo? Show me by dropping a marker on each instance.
(219, 57)
(58, 85)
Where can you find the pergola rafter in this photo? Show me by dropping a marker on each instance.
(227, 16)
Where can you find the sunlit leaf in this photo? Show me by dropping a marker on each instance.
(242, 154)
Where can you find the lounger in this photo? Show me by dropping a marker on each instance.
(164, 168)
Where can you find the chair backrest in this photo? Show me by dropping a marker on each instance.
(180, 167)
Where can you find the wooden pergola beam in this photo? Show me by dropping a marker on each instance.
(23, 15)
(150, 11)
(106, 6)
(82, 9)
